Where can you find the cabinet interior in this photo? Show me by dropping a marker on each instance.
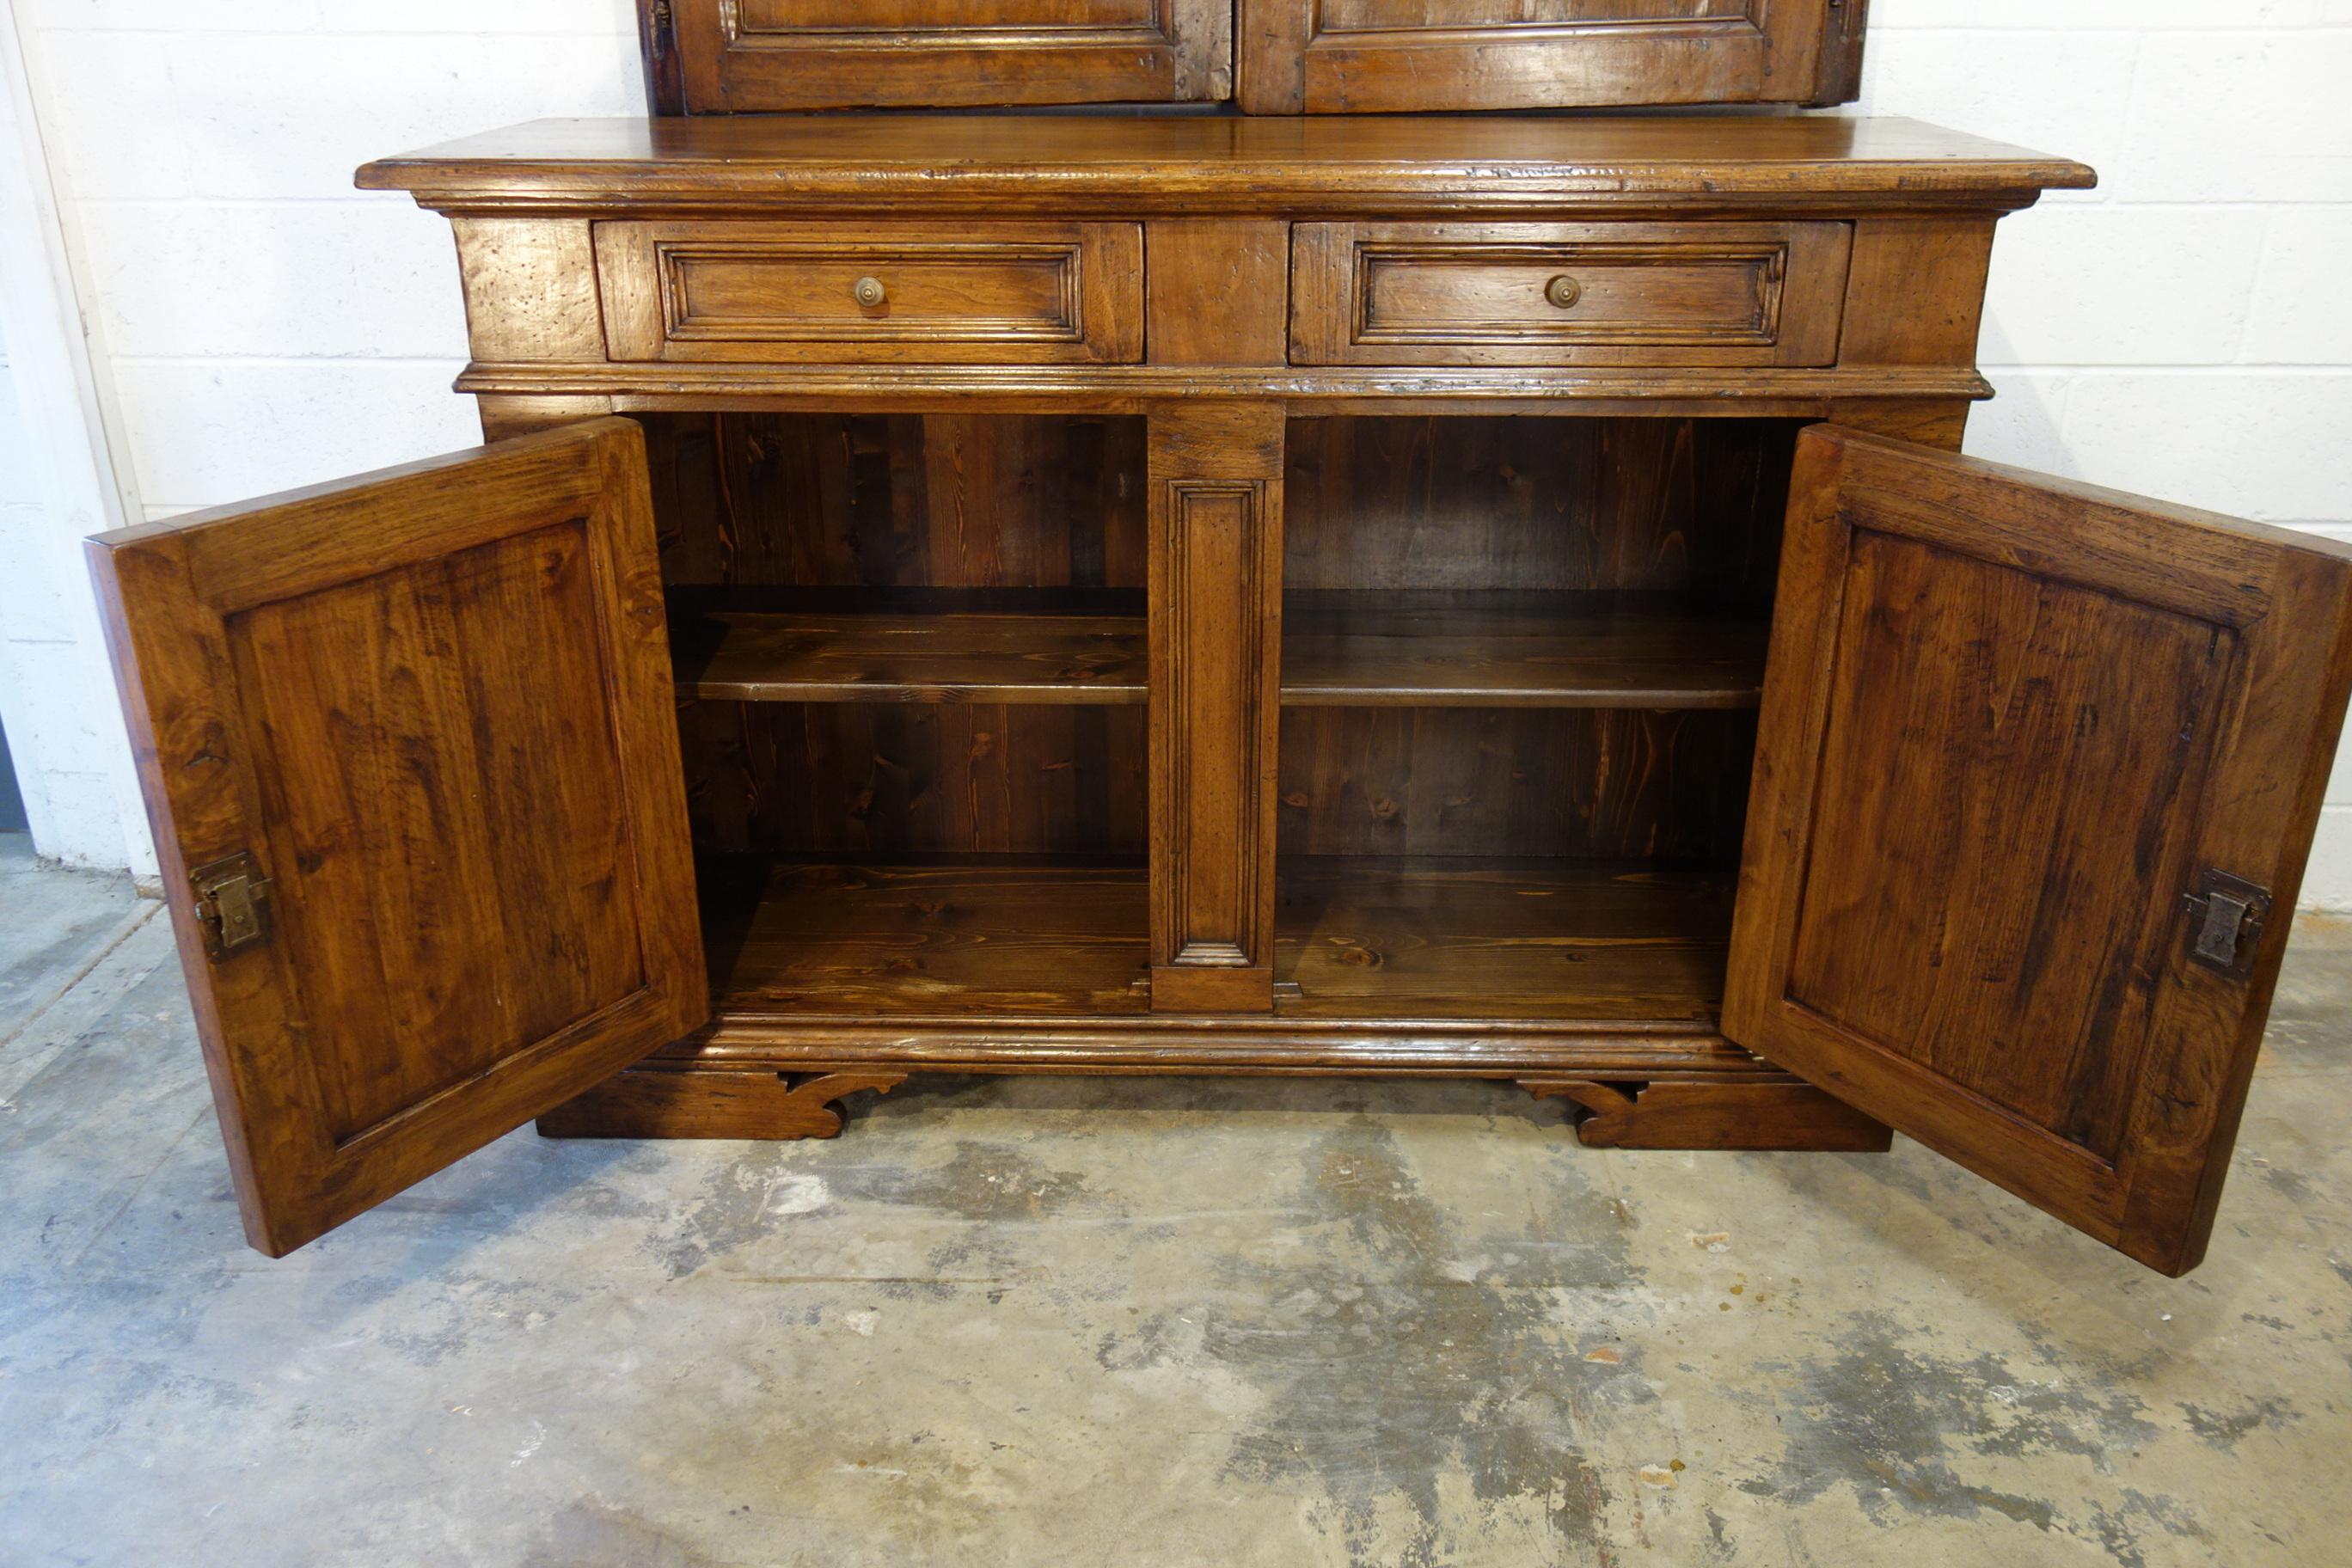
(911, 688)
(1521, 663)
(1522, 660)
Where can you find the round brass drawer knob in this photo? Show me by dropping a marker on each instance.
(1564, 292)
(870, 292)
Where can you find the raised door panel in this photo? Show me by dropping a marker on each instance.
(1343, 57)
(1216, 472)
(413, 769)
(2038, 772)
(740, 56)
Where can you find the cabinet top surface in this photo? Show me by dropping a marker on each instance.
(1221, 160)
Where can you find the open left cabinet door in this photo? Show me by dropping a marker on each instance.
(2038, 772)
(411, 764)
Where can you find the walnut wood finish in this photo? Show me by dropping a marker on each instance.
(1068, 168)
(880, 292)
(665, 69)
(1477, 504)
(1745, 1106)
(1336, 57)
(1518, 650)
(431, 705)
(1721, 1114)
(660, 1100)
(1216, 649)
(2010, 724)
(887, 504)
(1563, 294)
(1500, 829)
(1217, 201)
(1408, 937)
(911, 517)
(958, 935)
(910, 651)
(1317, 57)
(1222, 1044)
(1220, 292)
(916, 778)
(705, 56)
(738, 56)
(1607, 785)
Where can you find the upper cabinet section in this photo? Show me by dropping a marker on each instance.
(733, 57)
(1383, 57)
(1288, 56)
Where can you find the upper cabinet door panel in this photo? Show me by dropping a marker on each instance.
(2038, 772)
(740, 56)
(1354, 56)
(412, 765)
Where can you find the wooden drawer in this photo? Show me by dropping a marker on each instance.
(1566, 294)
(796, 293)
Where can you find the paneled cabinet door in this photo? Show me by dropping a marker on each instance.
(2039, 770)
(1360, 57)
(744, 56)
(412, 763)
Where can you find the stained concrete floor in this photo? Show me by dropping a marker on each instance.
(1061, 1322)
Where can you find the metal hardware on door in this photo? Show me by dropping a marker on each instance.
(2225, 922)
(232, 899)
(870, 292)
(1564, 291)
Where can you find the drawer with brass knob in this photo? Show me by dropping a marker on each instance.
(1567, 294)
(799, 293)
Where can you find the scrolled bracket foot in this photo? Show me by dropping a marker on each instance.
(1776, 1113)
(653, 1101)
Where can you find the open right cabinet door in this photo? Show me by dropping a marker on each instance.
(2037, 772)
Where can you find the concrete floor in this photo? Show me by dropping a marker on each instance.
(1060, 1322)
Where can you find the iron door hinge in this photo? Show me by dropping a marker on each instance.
(2225, 922)
(231, 905)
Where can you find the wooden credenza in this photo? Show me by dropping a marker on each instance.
(1275, 596)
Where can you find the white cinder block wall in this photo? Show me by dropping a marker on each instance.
(2182, 330)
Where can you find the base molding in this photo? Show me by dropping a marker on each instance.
(1218, 1044)
(1631, 1089)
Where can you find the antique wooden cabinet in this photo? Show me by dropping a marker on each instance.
(1229, 595)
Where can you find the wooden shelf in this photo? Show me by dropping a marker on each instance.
(1014, 935)
(785, 646)
(1379, 940)
(1432, 938)
(1340, 650)
(1347, 649)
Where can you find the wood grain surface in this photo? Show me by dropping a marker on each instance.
(2011, 726)
(433, 705)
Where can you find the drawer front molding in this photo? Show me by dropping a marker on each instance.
(793, 293)
(1567, 294)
